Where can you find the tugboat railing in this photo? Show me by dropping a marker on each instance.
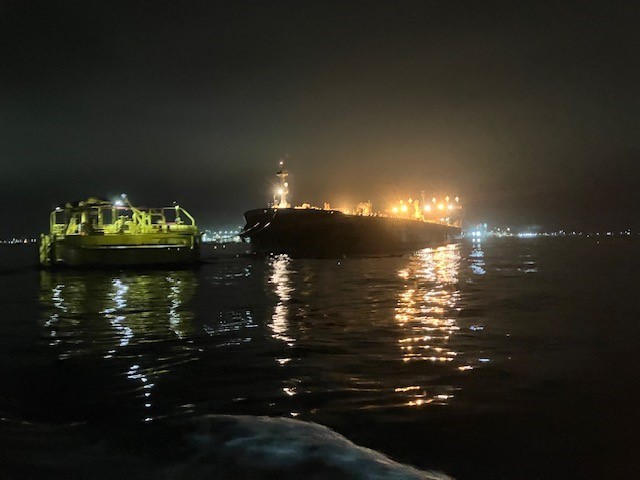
(90, 220)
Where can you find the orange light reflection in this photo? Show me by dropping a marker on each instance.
(425, 312)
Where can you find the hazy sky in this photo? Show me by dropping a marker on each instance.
(529, 111)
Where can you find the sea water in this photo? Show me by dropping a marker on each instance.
(496, 359)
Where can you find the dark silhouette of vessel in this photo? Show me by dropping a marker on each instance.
(323, 232)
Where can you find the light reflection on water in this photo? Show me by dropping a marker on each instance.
(523, 329)
(118, 296)
(77, 302)
(427, 311)
(280, 280)
(281, 268)
(119, 317)
(349, 334)
(477, 259)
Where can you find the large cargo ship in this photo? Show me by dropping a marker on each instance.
(96, 232)
(306, 231)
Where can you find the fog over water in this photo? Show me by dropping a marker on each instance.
(526, 110)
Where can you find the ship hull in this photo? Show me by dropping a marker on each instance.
(330, 233)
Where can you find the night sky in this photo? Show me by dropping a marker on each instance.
(529, 111)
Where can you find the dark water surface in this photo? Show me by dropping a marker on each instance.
(510, 359)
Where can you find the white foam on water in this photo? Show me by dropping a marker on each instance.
(266, 447)
(216, 447)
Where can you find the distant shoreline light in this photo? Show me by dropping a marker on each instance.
(228, 235)
(233, 235)
(17, 241)
(478, 233)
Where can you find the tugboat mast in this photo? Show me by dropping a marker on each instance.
(280, 197)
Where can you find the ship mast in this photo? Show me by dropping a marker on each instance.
(280, 197)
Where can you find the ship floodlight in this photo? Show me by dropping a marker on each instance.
(457, 199)
(427, 208)
(450, 207)
(404, 208)
(279, 191)
(440, 206)
(394, 209)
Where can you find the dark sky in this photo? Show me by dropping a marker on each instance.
(527, 110)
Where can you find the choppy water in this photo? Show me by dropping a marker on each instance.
(511, 359)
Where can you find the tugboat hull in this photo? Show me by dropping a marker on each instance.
(122, 250)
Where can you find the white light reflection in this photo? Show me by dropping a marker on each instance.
(282, 288)
(175, 299)
(118, 296)
(62, 316)
(477, 259)
(119, 317)
(54, 318)
(230, 327)
(289, 391)
(528, 264)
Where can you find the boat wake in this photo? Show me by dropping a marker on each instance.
(210, 447)
(283, 448)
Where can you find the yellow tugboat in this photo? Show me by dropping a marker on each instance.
(96, 232)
